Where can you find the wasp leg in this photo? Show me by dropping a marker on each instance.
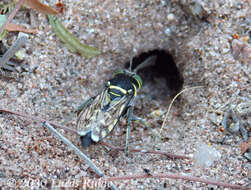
(142, 121)
(78, 110)
(130, 118)
(155, 135)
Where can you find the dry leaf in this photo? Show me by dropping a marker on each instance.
(40, 7)
(19, 28)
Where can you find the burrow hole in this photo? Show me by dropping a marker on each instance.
(163, 78)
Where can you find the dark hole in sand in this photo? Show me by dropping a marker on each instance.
(163, 76)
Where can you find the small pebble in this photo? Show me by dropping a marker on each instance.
(170, 17)
(168, 31)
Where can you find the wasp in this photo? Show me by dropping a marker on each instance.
(98, 116)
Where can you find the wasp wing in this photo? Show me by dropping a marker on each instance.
(101, 116)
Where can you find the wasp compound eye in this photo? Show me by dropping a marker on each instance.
(139, 80)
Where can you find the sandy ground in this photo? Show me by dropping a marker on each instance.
(199, 36)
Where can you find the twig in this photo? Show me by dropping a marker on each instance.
(65, 140)
(175, 97)
(73, 147)
(169, 155)
(77, 151)
(12, 15)
(12, 50)
(38, 119)
(172, 176)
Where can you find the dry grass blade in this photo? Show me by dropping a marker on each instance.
(110, 179)
(19, 28)
(71, 42)
(66, 141)
(49, 126)
(175, 97)
(77, 151)
(73, 147)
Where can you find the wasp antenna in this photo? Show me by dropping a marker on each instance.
(148, 62)
(131, 58)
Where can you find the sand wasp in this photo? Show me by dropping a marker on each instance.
(98, 116)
